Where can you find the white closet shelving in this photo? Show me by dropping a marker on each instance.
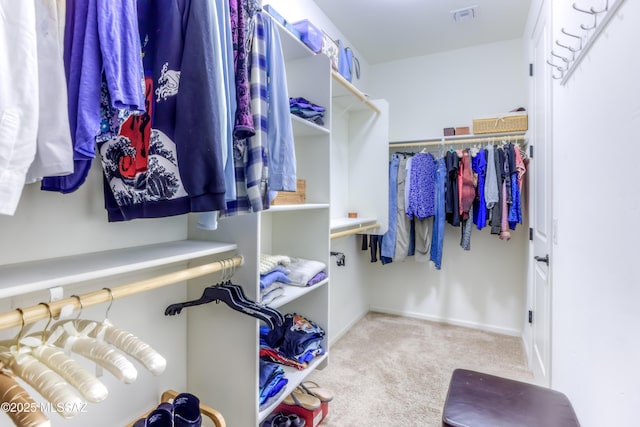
(358, 155)
(212, 351)
(223, 359)
(30, 276)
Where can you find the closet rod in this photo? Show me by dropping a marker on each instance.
(358, 230)
(459, 140)
(354, 91)
(39, 312)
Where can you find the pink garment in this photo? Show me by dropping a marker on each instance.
(466, 189)
(520, 167)
(505, 234)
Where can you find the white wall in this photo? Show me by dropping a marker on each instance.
(48, 225)
(595, 317)
(429, 93)
(484, 287)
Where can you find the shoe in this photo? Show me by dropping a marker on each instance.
(296, 421)
(299, 398)
(159, 417)
(314, 389)
(276, 420)
(186, 411)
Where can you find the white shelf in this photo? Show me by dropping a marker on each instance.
(295, 377)
(348, 97)
(292, 47)
(302, 127)
(461, 139)
(300, 207)
(340, 224)
(292, 293)
(21, 278)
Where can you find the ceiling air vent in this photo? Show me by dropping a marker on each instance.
(464, 14)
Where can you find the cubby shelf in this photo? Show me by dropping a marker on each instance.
(302, 127)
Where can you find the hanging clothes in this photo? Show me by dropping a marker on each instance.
(480, 204)
(403, 223)
(466, 188)
(19, 103)
(101, 41)
(223, 44)
(452, 207)
(461, 179)
(515, 210)
(437, 239)
(168, 161)
(243, 126)
(266, 161)
(54, 153)
(496, 211)
(388, 245)
(281, 149)
(421, 202)
(422, 186)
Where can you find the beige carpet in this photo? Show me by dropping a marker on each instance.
(394, 371)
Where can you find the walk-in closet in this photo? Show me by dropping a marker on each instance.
(323, 212)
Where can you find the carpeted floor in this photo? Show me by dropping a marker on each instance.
(394, 371)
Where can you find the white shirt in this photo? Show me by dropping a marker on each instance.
(54, 153)
(19, 102)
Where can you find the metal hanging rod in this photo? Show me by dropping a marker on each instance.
(465, 139)
(40, 312)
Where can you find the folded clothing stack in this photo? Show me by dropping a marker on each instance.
(307, 110)
(295, 343)
(305, 272)
(273, 276)
(272, 382)
(276, 270)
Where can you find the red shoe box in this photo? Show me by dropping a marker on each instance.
(311, 418)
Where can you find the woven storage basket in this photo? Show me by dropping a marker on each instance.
(297, 197)
(507, 123)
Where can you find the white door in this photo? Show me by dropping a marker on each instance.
(540, 197)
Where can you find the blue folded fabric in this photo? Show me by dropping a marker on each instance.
(303, 103)
(274, 276)
(272, 380)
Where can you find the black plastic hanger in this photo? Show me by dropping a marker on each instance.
(226, 295)
(240, 296)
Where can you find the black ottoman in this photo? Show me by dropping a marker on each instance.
(481, 400)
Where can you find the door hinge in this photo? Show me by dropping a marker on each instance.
(531, 151)
(530, 70)
(530, 233)
(530, 316)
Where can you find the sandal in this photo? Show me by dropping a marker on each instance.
(302, 399)
(314, 389)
